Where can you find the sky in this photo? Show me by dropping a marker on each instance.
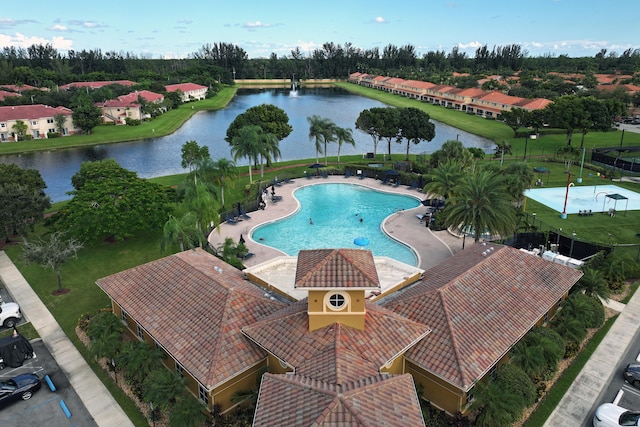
(177, 29)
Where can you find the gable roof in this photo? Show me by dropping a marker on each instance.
(478, 308)
(184, 87)
(286, 335)
(381, 400)
(29, 112)
(336, 268)
(194, 304)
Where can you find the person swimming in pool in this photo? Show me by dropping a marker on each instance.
(311, 221)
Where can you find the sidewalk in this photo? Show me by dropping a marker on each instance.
(575, 407)
(101, 405)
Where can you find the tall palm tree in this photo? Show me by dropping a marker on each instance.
(445, 179)
(328, 135)
(269, 150)
(481, 202)
(247, 144)
(204, 205)
(137, 360)
(344, 135)
(316, 131)
(224, 174)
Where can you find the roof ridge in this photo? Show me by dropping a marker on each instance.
(452, 335)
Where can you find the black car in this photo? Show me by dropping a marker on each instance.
(632, 374)
(19, 387)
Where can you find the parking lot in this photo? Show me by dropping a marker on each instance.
(44, 408)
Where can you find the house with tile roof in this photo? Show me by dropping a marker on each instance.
(7, 94)
(473, 101)
(96, 84)
(39, 118)
(128, 107)
(189, 91)
(336, 356)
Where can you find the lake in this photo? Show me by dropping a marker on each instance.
(162, 156)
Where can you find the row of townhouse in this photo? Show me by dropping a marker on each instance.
(39, 119)
(40, 122)
(488, 104)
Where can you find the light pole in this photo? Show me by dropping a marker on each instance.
(533, 225)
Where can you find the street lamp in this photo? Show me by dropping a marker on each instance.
(533, 225)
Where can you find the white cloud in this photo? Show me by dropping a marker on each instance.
(470, 45)
(185, 21)
(58, 27)
(87, 24)
(253, 25)
(380, 20)
(21, 40)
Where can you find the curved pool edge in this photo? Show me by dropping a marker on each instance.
(409, 232)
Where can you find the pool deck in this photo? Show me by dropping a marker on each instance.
(432, 247)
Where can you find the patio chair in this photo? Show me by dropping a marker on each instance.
(413, 185)
(347, 173)
(397, 184)
(229, 219)
(244, 214)
(386, 181)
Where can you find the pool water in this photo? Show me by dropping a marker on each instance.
(335, 211)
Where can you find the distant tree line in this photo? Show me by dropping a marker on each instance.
(45, 66)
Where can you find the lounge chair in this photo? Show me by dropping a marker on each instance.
(347, 173)
(386, 181)
(244, 214)
(229, 219)
(276, 199)
(247, 256)
(413, 185)
(397, 184)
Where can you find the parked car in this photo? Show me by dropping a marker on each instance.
(9, 314)
(632, 374)
(20, 387)
(610, 415)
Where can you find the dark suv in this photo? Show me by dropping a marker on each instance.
(632, 374)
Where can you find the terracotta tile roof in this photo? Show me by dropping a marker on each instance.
(418, 84)
(20, 88)
(29, 112)
(295, 400)
(286, 335)
(97, 85)
(336, 268)
(479, 303)
(6, 94)
(471, 92)
(147, 95)
(194, 311)
(533, 104)
(184, 87)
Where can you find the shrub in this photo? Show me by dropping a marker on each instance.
(51, 135)
(133, 122)
(515, 381)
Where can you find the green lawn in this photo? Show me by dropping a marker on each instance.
(163, 125)
(102, 259)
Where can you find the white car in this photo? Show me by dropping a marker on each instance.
(610, 415)
(9, 314)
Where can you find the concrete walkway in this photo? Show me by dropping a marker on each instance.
(101, 405)
(576, 405)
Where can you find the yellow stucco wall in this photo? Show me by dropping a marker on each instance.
(321, 315)
(437, 391)
(246, 380)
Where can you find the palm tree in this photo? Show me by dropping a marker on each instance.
(445, 179)
(269, 150)
(496, 405)
(187, 412)
(322, 129)
(163, 387)
(204, 205)
(344, 135)
(138, 359)
(184, 231)
(224, 174)
(594, 284)
(481, 203)
(247, 144)
(527, 355)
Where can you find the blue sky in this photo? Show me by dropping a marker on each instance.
(177, 29)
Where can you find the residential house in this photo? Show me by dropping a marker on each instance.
(337, 355)
(189, 91)
(39, 119)
(474, 101)
(7, 94)
(128, 107)
(96, 85)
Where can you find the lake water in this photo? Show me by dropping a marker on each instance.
(162, 156)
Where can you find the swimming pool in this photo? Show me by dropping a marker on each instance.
(585, 197)
(336, 211)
